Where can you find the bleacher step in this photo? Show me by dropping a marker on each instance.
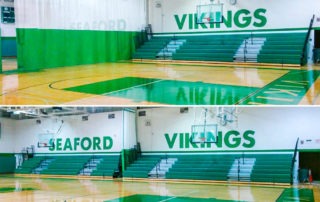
(249, 50)
(162, 167)
(241, 169)
(167, 52)
(43, 165)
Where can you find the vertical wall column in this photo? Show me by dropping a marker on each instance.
(129, 140)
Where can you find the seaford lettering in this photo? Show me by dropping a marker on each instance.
(231, 139)
(242, 19)
(85, 143)
(119, 24)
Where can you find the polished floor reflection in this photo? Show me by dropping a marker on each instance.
(160, 84)
(67, 190)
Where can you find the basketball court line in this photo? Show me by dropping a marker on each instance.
(137, 86)
(48, 84)
(187, 194)
(108, 190)
(175, 92)
(284, 95)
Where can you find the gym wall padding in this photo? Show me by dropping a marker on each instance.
(7, 163)
(72, 47)
(9, 47)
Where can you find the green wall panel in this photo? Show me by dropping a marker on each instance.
(9, 46)
(7, 163)
(39, 48)
(0, 54)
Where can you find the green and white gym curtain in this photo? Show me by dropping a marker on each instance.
(0, 53)
(56, 33)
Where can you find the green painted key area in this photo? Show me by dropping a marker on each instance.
(167, 91)
(154, 198)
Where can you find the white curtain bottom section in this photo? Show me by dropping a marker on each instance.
(113, 15)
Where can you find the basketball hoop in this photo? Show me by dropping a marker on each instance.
(201, 131)
(45, 140)
(210, 13)
(227, 115)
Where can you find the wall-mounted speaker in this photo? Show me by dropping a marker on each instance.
(158, 4)
(111, 116)
(142, 113)
(184, 110)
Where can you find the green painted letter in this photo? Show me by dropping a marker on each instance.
(245, 21)
(67, 145)
(96, 143)
(235, 141)
(172, 141)
(59, 148)
(219, 141)
(258, 14)
(76, 143)
(107, 143)
(53, 145)
(248, 137)
(86, 146)
(181, 22)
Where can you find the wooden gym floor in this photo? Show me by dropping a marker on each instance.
(86, 190)
(159, 84)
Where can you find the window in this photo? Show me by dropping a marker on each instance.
(7, 14)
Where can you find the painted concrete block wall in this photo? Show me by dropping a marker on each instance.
(257, 129)
(6, 136)
(167, 130)
(178, 15)
(97, 135)
(129, 128)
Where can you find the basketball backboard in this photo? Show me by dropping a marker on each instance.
(210, 13)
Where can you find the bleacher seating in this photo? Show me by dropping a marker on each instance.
(201, 167)
(278, 48)
(66, 165)
(270, 168)
(107, 167)
(141, 167)
(28, 165)
(151, 48)
(209, 48)
(274, 168)
(283, 48)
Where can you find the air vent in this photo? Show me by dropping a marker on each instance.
(111, 116)
(184, 110)
(142, 113)
(148, 123)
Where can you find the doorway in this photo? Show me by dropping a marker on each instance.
(310, 160)
(316, 50)
(316, 38)
(8, 43)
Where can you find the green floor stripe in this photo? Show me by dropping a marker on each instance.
(13, 189)
(167, 91)
(294, 194)
(155, 198)
(104, 87)
(287, 90)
